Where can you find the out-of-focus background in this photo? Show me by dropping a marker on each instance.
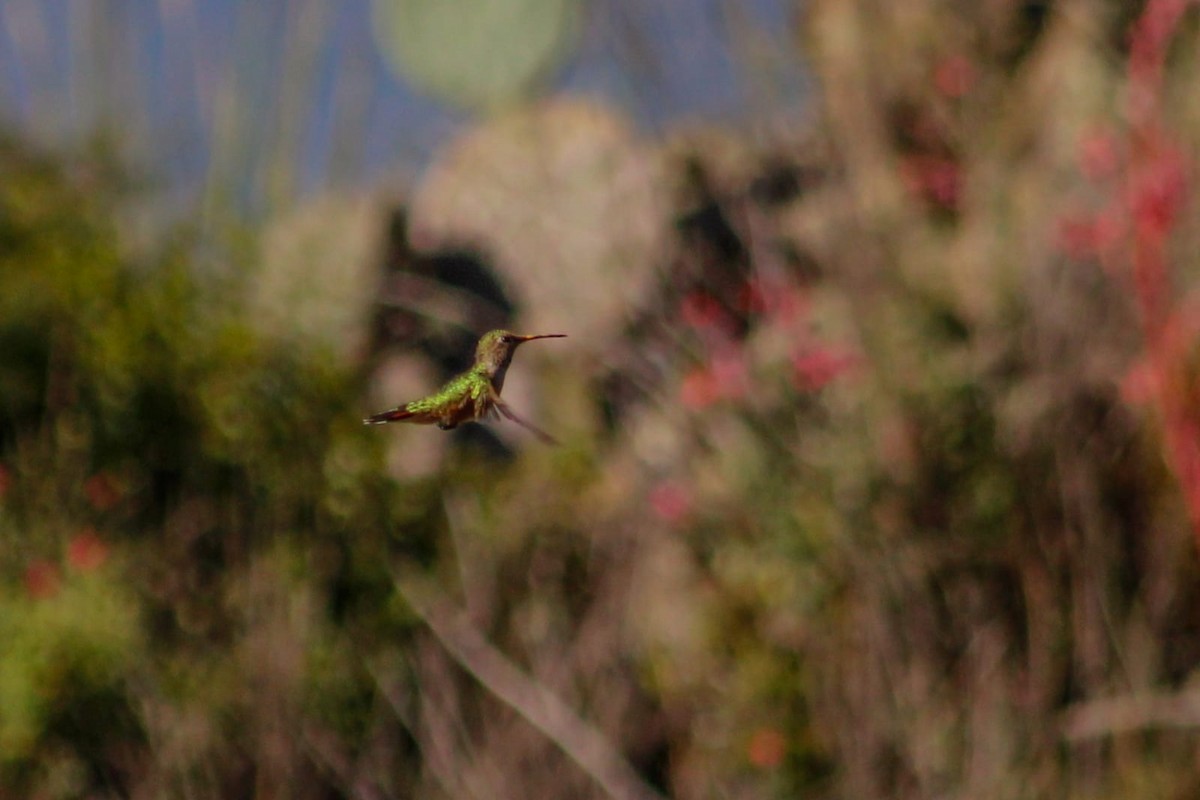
(878, 471)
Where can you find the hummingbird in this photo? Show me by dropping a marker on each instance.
(475, 394)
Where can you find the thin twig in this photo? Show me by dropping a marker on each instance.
(582, 742)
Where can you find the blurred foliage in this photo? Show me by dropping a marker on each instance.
(856, 496)
(152, 470)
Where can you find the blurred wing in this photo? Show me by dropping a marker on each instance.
(503, 408)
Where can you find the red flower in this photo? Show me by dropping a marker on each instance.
(935, 179)
(752, 297)
(86, 551)
(766, 748)
(42, 579)
(102, 491)
(700, 310)
(1156, 191)
(1151, 33)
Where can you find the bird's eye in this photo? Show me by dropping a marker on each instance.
(508, 339)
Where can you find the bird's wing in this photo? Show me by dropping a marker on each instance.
(503, 408)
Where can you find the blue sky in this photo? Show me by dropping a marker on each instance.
(279, 98)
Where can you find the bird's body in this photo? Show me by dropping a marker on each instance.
(471, 396)
(463, 399)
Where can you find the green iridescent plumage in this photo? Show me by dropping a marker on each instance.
(472, 384)
(471, 396)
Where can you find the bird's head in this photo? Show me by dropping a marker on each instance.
(495, 349)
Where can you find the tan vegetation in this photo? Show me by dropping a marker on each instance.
(879, 473)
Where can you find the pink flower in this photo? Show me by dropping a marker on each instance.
(954, 76)
(1076, 237)
(1098, 156)
(815, 369)
(699, 389)
(1140, 384)
(780, 301)
(724, 377)
(671, 501)
(728, 371)
(1081, 237)
(1157, 193)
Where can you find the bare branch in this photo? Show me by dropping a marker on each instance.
(582, 742)
(1117, 715)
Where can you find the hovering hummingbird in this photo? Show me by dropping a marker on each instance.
(472, 396)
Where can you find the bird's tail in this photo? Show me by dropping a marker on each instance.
(391, 415)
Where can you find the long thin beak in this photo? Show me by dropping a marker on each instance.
(540, 336)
